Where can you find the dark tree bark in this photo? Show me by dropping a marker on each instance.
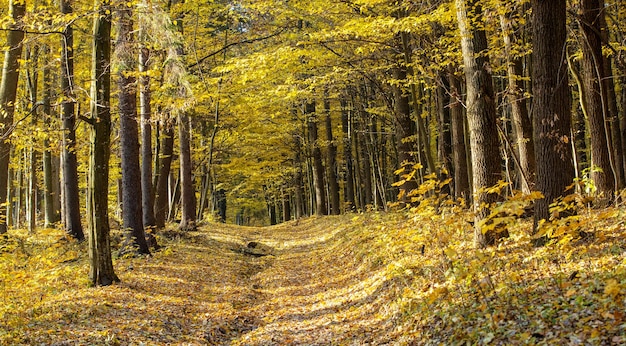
(145, 96)
(595, 95)
(444, 122)
(612, 112)
(459, 150)
(71, 197)
(8, 91)
(481, 116)
(522, 125)
(101, 264)
(405, 134)
(298, 180)
(346, 124)
(187, 192)
(333, 183)
(286, 199)
(318, 167)
(51, 213)
(551, 105)
(161, 205)
(129, 137)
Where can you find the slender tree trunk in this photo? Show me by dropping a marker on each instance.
(101, 263)
(71, 197)
(346, 124)
(481, 116)
(32, 55)
(595, 95)
(145, 96)
(129, 137)
(161, 205)
(8, 92)
(333, 183)
(318, 167)
(444, 122)
(522, 125)
(51, 215)
(551, 105)
(405, 135)
(298, 180)
(188, 195)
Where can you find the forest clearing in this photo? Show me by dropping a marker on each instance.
(338, 280)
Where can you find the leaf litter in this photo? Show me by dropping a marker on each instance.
(409, 278)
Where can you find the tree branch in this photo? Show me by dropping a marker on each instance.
(252, 40)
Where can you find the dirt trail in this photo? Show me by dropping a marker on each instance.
(304, 290)
(294, 284)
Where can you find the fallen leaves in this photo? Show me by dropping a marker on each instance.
(337, 280)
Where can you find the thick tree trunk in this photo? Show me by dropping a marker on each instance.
(551, 105)
(161, 205)
(145, 96)
(8, 92)
(129, 137)
(333, 183)
(188, 195)
(481, 116)
(101, 264)
(595, 95)
(318, 167)
(522, 125)
(71, 198)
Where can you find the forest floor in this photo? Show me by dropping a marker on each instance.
(396, 279)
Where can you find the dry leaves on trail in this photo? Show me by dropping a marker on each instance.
(348, 280)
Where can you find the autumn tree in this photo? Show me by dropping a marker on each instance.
(595, 94)
(551, 105)
(481, 115)
(129, 134)
(71, 197)
(101, 264)
(8, 91)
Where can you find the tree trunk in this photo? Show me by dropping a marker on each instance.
(595, 95)
(459, 150)
(71, 197)
(522, 125)
(481, 116)
(346, 124)
(551, 105)
(101, 264)
(51, 214)
(318, 167)
(298, 181)
(161, 205)
(8, 91)
(188, 195)
(145, 96)
(444, 122)
(129, 137)
(32, 78)
(333, 184)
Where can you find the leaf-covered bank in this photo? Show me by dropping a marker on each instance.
(375, 278)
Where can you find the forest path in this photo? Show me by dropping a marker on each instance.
(305, 283)
(301, 289)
